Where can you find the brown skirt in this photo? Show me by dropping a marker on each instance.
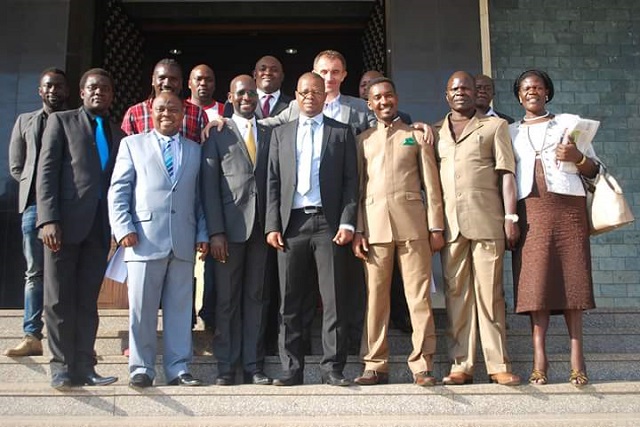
(552, 264)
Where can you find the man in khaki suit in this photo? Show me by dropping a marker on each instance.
(400, 212)
(476, 170)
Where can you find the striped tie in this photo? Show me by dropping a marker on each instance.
(167, 154)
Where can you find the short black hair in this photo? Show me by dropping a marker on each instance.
(53, 70)
(95, 72)
(538, 73)
(379, 80)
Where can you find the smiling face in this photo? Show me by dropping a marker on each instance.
(54, 91)
(310, 94)
(532, 94)
(167, 78)
(461, 93)
(268, 74)
(383, 101)
(97, 94)
(243, 96)
(167, 113)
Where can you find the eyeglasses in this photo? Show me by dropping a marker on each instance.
(313, 93)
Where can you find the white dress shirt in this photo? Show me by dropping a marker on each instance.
(243, 127)
(311, 197)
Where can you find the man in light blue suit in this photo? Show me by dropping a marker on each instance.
(156, 215)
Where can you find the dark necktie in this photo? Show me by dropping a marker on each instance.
(101, 142)
(266, 106)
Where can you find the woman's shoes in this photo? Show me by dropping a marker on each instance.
(538, 377)
(578, 378)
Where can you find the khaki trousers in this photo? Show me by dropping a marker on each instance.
(475, 301)
(414, 260)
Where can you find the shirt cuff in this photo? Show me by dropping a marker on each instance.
(349, 227)
(432, 230)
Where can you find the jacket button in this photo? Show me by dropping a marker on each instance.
(172, 211)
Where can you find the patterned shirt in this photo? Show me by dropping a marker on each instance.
(137, 119)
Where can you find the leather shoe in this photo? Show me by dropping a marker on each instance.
(457, 378)
(61, 381)
(425, 379)
(288, 380)
(29, 346)
(335, 378)
(505, 378)
(257, 378)
(225, 379)
(371, 377)
(140, 381)
(185, 380)
(94, 379)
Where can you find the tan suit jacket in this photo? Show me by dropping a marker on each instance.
(400, 197)
(470, 176)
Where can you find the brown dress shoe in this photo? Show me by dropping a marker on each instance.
(505, 378)
(29, 346)
(370, 377)
(457, 378)
(425, 379)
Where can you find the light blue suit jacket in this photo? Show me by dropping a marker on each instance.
(142, 199)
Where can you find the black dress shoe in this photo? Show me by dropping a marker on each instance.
(257, 378)
(94, 379)
(225, 379)
(288, 380)
(186, 380)
(140, 381)
(61, 381)
(335, 378)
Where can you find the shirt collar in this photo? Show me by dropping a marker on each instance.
(164, 138)
(319, 119)
(491, 112)
(334, 101)
(241, 122)
(274, 94)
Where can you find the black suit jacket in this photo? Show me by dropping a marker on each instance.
(282, 103)
(71, 183)
(509, 119)
(338, 175)
(24, 148)
(233, 189)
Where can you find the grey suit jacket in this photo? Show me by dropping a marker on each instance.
(71, 183)
(338, 175)
(24, 148)
(353, 112)
(166, 215)
(233, 189)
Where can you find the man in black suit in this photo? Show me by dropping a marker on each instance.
(76, 161)
(485, 90)
(311, 212)
(24, 148)
(233, 182)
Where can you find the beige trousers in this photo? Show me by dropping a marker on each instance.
(414, 260)
(475, 301)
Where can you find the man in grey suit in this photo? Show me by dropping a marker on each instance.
(311, 211)
(24, 148)
(234, 177)
(156, 214)
(332, 67)
(76, 161)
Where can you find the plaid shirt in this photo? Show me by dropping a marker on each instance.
(137, 119)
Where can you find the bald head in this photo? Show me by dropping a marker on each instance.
(243, 96)
(461, 92)
(202, 83)
(365, 79)
(268, 74)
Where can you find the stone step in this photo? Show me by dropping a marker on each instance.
(596, 340)
(600, 366)
(354, 405)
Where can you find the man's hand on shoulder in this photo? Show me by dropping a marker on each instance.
(217, 123)
(429, 135)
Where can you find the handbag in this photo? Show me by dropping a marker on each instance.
(607, 207)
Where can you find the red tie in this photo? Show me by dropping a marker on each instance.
(265, 106)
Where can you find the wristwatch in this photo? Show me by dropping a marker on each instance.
(512, 217)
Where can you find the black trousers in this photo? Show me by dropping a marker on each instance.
(308, 243)
(72, 280)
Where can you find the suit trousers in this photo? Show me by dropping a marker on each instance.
(242, 304)
(414, 261)
(475, 301)
(309, 238)
(169, 281)
(72, 280)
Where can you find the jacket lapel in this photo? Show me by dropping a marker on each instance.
(36, 128)
(241, 143)
(345, 109)
(473, 125)
(326, 133)
(186, 159)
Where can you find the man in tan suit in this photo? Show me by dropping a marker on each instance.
(476, 170)
(400, 212)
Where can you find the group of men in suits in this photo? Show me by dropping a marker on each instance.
(277, 177)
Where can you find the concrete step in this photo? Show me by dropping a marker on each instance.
(353, 405)
(601, 367)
